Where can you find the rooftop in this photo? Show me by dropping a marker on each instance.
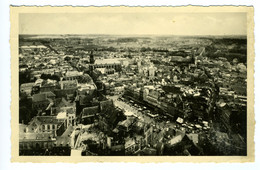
(27, 85)
(47, 120)
(42, 96)
(90, 111)
(31, 135)
(107, 61)
(39, 97)
(73, 73)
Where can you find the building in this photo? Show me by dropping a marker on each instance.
(54, 125)
(43, 101)
(88, 114)
(151, 71)
(91, 58)
(39, 136)
(72, 75)
(106, 63)
(105, 104)
(126, 125)
(148, 134)
(67, 89)
(35, 142)
(26, 88)
(32, 143)
(48, 87)
(131, 146)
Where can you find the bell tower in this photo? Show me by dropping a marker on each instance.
(91, 58)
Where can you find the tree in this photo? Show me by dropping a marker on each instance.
(24, 77)
(26, 113)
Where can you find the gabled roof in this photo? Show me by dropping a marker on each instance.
(176, 139)
(42, 96)
(63, 103)
(106, 103)
(46, 120)
(87, 111)
(126, 123)
(194, 137)
(50, 94)
(39, 97)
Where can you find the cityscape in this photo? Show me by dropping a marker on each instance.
(132, 95)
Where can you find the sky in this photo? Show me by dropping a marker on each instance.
(134, 23)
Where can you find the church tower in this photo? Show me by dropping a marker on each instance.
(91, 58)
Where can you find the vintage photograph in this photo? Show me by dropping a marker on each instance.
(133, 83)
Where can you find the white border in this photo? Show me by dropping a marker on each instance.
(5, 87)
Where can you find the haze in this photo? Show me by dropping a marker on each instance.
(134, 23)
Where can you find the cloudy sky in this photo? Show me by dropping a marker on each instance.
(134, 23)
